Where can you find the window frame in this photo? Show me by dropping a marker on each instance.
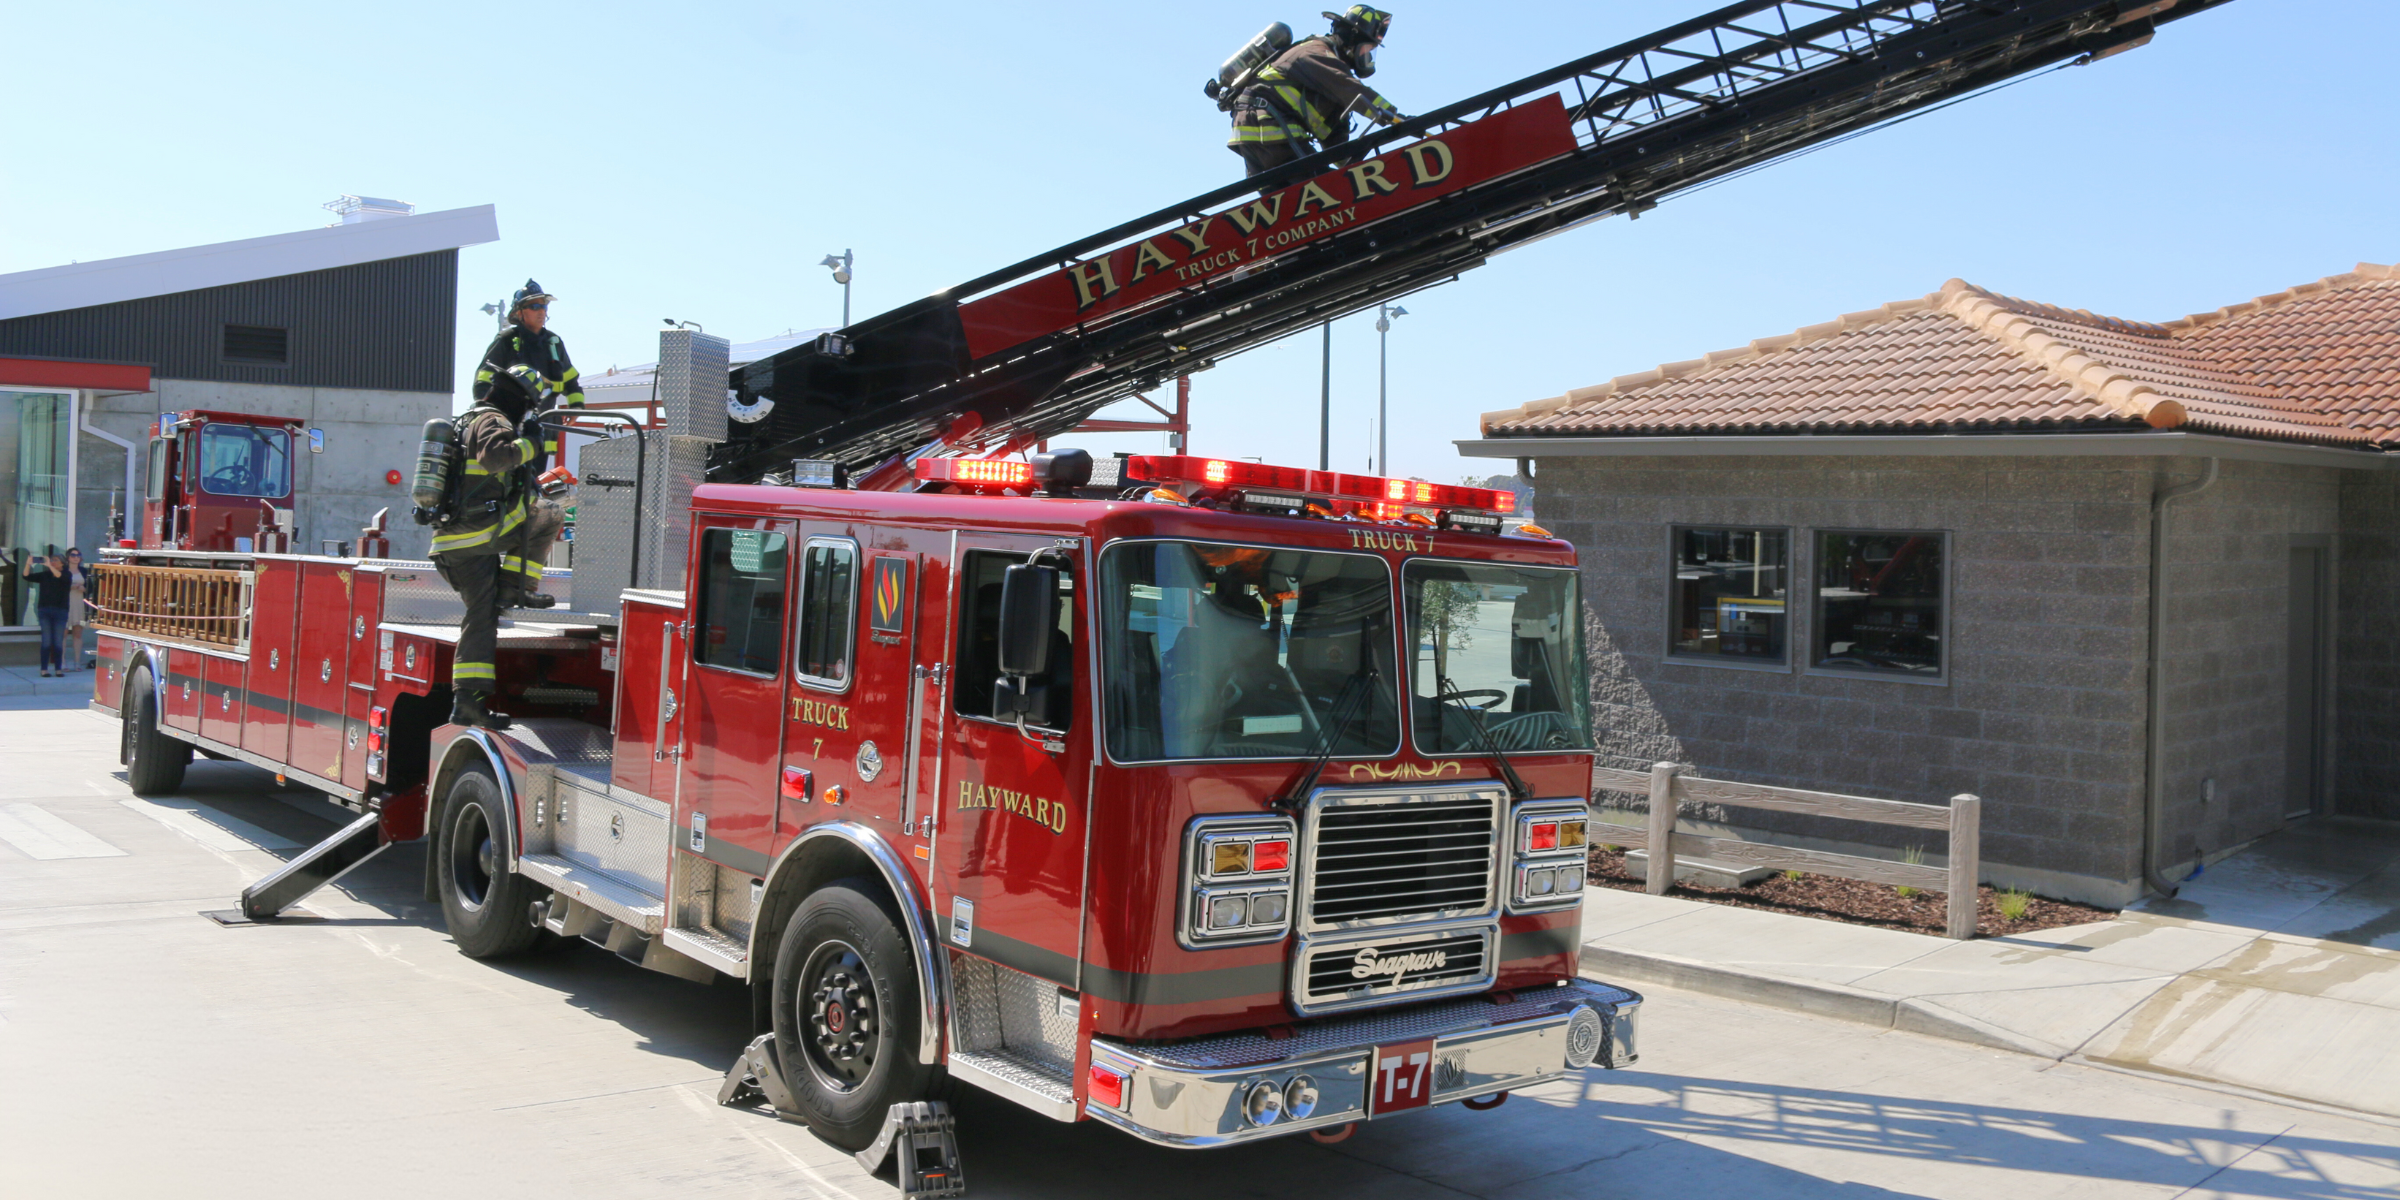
(699, 607)
(1408, 663)
(963, 609)
(1793, 568)
(1816, 612)
(850, 627)
(1101, 666)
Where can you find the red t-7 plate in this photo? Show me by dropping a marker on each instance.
(1403, 1078)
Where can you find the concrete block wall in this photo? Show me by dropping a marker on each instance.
(2042, 711)
(2366, 706)
(2225, 647)
(366, 435)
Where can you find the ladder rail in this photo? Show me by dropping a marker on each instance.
(1660, 115)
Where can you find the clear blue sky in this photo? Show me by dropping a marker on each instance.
(696, 161)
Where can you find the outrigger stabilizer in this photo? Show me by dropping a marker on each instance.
(348, 849)
(922, 1133)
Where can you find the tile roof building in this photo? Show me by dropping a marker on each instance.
(2135, 584)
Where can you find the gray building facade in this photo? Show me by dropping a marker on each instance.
(1891, 606)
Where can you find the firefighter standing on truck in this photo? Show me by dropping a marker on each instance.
(493, 550)
(1302, 100)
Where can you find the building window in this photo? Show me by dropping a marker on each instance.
(1729, 595)
(37, 491)
(1880, 603)
(828, 611)
(741, 600)
(258, 345)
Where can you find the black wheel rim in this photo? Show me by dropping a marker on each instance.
(842, 1018)
(474, 860)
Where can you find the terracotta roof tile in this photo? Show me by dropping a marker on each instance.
(2319, 363)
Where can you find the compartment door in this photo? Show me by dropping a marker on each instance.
(266, 708)
(734, 677)
(1009, 856)
(320, 669)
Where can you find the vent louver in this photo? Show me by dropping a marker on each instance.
(262, 345)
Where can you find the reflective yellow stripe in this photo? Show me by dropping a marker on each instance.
(480, 537)
(524, 450)
(484, 375)
(476, 468)
(468, 670)
(569, 377)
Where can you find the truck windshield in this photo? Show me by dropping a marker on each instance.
(1219, 651)
(1500, 647)
(245, 460)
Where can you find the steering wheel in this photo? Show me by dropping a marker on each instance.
(1532, 731)
(1495, 694)
(229, 481)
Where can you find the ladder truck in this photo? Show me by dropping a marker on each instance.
(1205, 799)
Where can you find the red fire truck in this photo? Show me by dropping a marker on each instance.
(1139, 810)
(1205, 799)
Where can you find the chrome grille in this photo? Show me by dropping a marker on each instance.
(1358, 971)
(1383, 857)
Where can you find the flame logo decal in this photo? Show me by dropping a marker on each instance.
(891, 592)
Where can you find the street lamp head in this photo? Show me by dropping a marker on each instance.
(491, 310)
(832, 260)
(1398, 311)
(841, 275)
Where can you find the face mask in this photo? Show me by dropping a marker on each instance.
(1362, 60)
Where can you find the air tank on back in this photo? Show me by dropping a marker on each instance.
(436, 456)
(1239, 70)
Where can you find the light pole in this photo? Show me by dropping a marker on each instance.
(841, 275)
(1325, 408)
(1383, 330)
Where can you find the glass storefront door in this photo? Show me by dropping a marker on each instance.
(37, 485)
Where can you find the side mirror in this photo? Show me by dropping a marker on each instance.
(316, 441)
(1028, 616)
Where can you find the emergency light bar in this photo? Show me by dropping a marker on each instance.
(1373, 496)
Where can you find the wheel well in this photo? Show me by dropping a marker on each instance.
(812, 865)
(455, 758)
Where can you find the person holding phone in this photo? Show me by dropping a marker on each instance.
(78, 611)
(51, 584)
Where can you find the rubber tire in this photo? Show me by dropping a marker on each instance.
(154, 762)
(854, 911)
(497, 926)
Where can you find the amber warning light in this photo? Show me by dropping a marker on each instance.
(979, 474)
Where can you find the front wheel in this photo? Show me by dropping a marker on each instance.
(483, 902)
(153, 761)
(846, 1013)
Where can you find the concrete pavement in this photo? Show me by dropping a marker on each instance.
(28, 681)
(149, 1052)
(2278, 971)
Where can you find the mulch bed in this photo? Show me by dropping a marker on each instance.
(1831, 898)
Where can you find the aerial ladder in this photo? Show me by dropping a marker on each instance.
(1029, 351)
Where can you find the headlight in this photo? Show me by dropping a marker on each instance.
(1237, 875)
(1547, 843)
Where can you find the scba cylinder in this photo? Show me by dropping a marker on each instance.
(435, 459)
(1261, 50)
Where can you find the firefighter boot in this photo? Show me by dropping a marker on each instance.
(517, 599)
(466, 708)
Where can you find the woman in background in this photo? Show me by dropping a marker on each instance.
(78, 613)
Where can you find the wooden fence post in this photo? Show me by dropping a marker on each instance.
(1662, 828)
(1966, 849)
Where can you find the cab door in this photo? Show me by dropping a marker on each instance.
(735, 676)
(1012, 817)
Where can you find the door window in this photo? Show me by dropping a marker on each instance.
(980, 581)
(741, 600)
(828, 611)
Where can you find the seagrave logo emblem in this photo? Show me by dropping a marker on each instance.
(1370, 962)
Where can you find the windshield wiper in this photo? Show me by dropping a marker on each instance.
(1516, 786)
(1346, 708)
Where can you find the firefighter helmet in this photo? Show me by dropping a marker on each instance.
(526, 295)
(1357, 30)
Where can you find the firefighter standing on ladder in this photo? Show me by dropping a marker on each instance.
(492, 554)
(1302, 100)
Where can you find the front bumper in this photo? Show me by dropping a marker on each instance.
(1190, 1094)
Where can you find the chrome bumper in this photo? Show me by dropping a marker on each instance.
(1189, 1094)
